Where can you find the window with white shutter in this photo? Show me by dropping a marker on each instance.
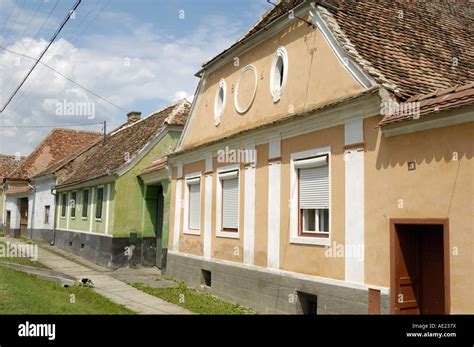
(194, 207)
(230, 201)
(313, 196)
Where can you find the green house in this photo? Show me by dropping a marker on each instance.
(109, 208)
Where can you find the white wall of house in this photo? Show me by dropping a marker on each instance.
(11, 204)
(38, 202)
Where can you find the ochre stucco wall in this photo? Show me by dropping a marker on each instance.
(315, 77)
(261, 206)
(311, 259)
(440, 187)
(222, 247)
(193, 244)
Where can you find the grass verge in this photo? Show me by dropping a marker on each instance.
(194, 300)
(21, 293)
(20, 260)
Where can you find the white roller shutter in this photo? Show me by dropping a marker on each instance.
(230, 203)
(314, 187)
(194, 205)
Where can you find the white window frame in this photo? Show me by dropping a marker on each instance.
(278, 92)
(220, 172)
(190, 179)
(88, 203)
(75, 205)
(95, 204)
(61, 206)
(294, 208)
(218, 113)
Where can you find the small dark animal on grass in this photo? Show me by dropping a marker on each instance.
(85, 282)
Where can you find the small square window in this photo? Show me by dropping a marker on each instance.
(206, 278)
(315, 220)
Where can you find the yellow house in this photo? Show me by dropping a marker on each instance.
(327, 163)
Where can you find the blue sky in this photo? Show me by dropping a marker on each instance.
(141, 55)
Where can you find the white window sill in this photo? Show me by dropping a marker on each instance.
(228, 234)
(84, 218)
(62, 217)
(98, 219)
(304, 240)
(192, 232)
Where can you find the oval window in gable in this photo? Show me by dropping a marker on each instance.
(219, 102)
(279, 73)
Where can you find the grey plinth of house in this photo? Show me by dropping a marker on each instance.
(108, 251)
(41, 235)
(269, 292)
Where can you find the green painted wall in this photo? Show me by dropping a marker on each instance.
(150, 209)
(135, 209)
(132, 205)
(84, 224)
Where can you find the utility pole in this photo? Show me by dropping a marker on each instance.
(105, 130)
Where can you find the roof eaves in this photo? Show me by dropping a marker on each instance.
(288, 118)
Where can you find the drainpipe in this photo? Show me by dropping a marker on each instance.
(53, 192)
(33, 210)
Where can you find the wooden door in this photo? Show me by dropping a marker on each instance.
(8, 223)
(432, 263)
(23, 217)
(407, 273)
(419, 269)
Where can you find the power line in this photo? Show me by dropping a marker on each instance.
(23, 33)
(46, 20)
(38, 33)
(91, 21)
(64, 76)
(80, 23)
(42, 54)
(14, 21)
(31, 19)
(44, 72)
(8, 19)
(51, 126)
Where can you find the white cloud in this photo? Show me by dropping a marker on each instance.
(142, 66)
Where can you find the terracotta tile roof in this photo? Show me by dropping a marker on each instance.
(9, 163)
(418, 45)
(59, 144)
(121, 145)
(410, 47)
(432, 103)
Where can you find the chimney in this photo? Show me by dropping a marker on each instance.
(134, 116)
